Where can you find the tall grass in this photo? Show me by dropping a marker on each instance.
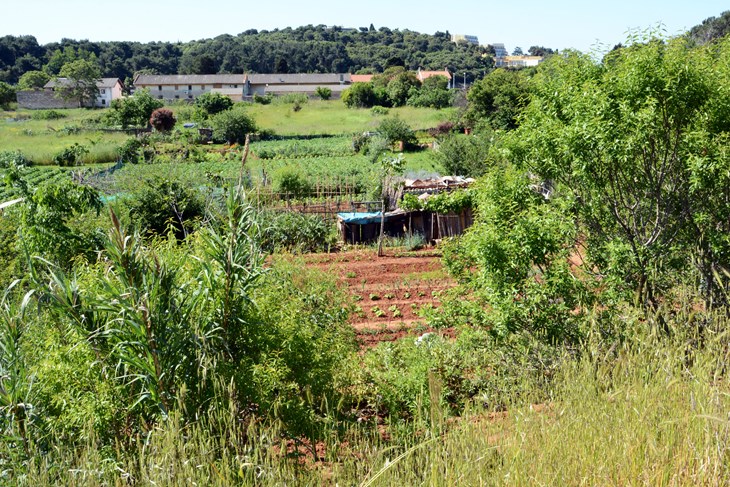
(649, 410)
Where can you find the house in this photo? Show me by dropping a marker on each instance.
(48, 97)
(518, 61)
(109, 89)
(469, 39)
(238, 87)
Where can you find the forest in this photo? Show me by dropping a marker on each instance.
(308, 49)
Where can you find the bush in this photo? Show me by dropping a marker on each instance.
(232, 126)
(214, 103)
(323, 92)
(47, 115)
(163, 205)
(13, 159)
(163, 120)
(263, 100)
(296, 232)
(378, 110)
(71, 156)
(464, 155)
(359, 95)
(292, 182)
(396, 130)
(130, 151)
(132, 111)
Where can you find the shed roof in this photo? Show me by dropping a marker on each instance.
(101, 83)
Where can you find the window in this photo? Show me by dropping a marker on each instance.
(176, 88)
(202, 87)
(159, 97)
(159, 88)
(102, 91)
(190, 97)
(103, 101)
(190, 87)
(177, 97)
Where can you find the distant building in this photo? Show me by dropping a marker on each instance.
(518, 61)
(47, 98)
(238, 86)
(473, 40)
(500, 51)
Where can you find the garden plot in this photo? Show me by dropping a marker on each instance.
(391, 295)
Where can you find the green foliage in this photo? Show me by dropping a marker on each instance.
(81, 77)
(410, 202)
(292, 182)
(130, 151)
(33, 80)
(213, 103)
(323, 92)
(13, 159)
(449, 201)
(163, 120)
(232, 126)
(395, 130)
(434, 93)
(133, 111)
(263, 99)
(7, 95)
(498, 99)
(514, 260)
(464, 155)
(401, 87)
(296, 232)
(639, 141)
(71, 156)
(47, 225)
(163, 205)
(47, 115)
(359, 95)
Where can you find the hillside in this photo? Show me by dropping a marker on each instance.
(308, 49)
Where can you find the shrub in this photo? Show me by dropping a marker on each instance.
(464, 155)
(232, 126)
(163, 205)
(130, 151)
(13, 159)
(263, 100)
(378, 110)
(396, 130)
(296, 232)
(47, 115)
(214, 103)
(359, 95)
(71, 156)
(163, 120)
(291, 181)
(323, 92)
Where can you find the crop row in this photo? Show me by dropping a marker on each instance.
(297, 148)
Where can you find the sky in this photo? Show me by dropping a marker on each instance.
(558, 24)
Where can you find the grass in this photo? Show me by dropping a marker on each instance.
(333, 117)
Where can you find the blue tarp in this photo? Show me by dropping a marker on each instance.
(360, 218)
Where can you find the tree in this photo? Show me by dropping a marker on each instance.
(540, 51)
(464, 155)
(163, 120)
(133, 111)
(517, 51)
(359, 95)
(232, 126)
(33, 80)
(162, 205)
(498, 99)
(401, 86)
(7, 95)
(639, 143)
(213, 103)
(77, 81)
(394, 130)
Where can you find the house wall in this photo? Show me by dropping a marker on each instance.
(185, 92)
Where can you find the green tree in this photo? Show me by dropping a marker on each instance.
(161, 205)
(33, 80)
(639, 143)
(401, 87)
(359, 95)
(77, 81)
(133, 111)
(498, 99)
(232, 126)
(394, 130)
(464, 155)
(213, 103)
(7, 95)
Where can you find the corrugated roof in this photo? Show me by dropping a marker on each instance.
(301, 78)
(361, 78)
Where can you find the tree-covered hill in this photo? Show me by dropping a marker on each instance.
(308, 49)
(711, 28)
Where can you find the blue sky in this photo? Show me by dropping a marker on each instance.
(557, 24)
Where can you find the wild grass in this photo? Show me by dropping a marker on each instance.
(333, 117)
